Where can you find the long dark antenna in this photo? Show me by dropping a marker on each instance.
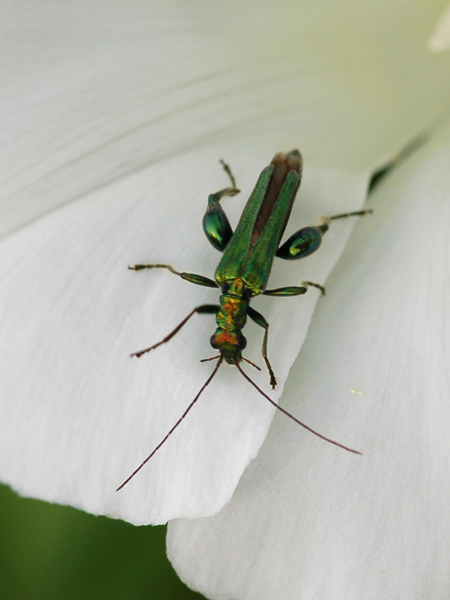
(207, 382)
(291, 416)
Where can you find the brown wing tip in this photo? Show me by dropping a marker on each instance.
(288, 161)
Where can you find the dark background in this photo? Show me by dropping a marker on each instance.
(57, 552)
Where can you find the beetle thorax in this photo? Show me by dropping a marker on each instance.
(231, 318)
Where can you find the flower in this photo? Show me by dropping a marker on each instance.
(111, 166)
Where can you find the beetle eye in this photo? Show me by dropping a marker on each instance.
(242, 342)
(212, 341)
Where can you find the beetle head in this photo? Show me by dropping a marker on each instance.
(230, 344)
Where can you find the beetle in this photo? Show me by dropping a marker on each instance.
(244, 269)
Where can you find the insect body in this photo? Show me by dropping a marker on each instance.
(244, 269)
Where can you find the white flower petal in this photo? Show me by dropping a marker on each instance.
(311, 521)
(78, 416)
(440, 40)
(93, 92)
(98, 92)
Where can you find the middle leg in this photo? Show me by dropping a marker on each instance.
(191, 277)
(294, 290)
(260, 320)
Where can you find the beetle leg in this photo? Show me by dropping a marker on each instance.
(294, 290)
(206, 309)
(191, 277)
(216, 226)
(261, 321)
(302, 243)
(215, 222)
(316, 285)
(307, 240)
(286, 291)
(227, 170)
(358, 213)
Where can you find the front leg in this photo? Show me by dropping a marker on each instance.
(191, 277)
(261, 321)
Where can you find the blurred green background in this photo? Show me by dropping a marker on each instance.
(57, 552)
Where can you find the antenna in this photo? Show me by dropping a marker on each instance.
(292, 417)
(207, 382)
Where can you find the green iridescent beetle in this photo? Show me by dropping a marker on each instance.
(244, 269)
